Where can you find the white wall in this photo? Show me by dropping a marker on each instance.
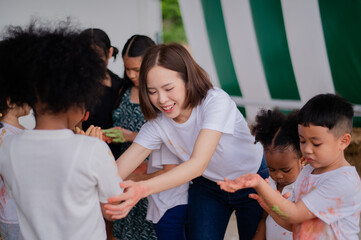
(120, 19)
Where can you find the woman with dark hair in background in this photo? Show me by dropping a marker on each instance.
(128, 118)
(101, 115)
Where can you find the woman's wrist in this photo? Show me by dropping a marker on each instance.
(145, 189)
(133, 136)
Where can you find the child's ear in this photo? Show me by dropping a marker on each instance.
(85, 117)
(10, 105)
(345, 140)
(302, 161)
(111, 50)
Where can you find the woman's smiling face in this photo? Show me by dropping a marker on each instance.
(167, 92)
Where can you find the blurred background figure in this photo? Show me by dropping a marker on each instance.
(101, 114)
(129, 118)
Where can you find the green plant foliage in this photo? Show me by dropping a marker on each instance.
(173, 30)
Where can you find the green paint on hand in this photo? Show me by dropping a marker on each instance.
(277, 210)
(115, 134)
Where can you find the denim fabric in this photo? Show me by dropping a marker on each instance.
(172, 224)
(9, 231)
(210, 208)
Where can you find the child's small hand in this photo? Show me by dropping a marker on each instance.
(106, 139)
(94, 132)
(249, 180)
(261, 201)
(77, 130)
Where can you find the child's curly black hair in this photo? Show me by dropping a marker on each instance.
(51, 67)
(277, 131)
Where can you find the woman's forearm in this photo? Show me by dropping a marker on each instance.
(203, 150)
(131, 159)
(142, 177)
(179, 175)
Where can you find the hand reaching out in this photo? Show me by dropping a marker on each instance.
(133, 192)
(77, 130)
(120, 135)
(249, 180)
(93, 131)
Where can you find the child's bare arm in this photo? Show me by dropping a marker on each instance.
(275, 217)
(279, 206)
(105, 215)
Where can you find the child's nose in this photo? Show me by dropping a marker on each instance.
(132, 74)
(307, 148)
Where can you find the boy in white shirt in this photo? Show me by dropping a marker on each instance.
(328, 189)
(59, 180)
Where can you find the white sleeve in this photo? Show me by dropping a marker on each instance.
(106, 172)
(4, 163)
(163, 156)
(331, 202)
(219, 112)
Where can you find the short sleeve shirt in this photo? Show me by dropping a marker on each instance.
(236, 153)
(334, 198)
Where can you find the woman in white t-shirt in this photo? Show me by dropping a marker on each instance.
(202, 126)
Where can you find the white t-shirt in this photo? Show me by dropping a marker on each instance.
(159, 203)
(57, 179)
(273, 230)
(335, 198)
(236, 153)
(7, 204)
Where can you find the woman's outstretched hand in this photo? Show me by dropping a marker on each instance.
(119, 206)
(249, 180)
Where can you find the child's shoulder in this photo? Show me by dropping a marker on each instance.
(8, 129)
(89, 140)
(345, 176)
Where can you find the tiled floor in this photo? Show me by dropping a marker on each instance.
(232, 233)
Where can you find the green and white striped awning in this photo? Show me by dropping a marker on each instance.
(268, 53)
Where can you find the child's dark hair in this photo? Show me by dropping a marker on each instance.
(15, 54)
(276, 131)
(99, 38)
(136, 46)
(53, 69)
(328, 110)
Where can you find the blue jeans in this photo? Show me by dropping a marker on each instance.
(9, 231)
(172, 224)
(209, 209)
